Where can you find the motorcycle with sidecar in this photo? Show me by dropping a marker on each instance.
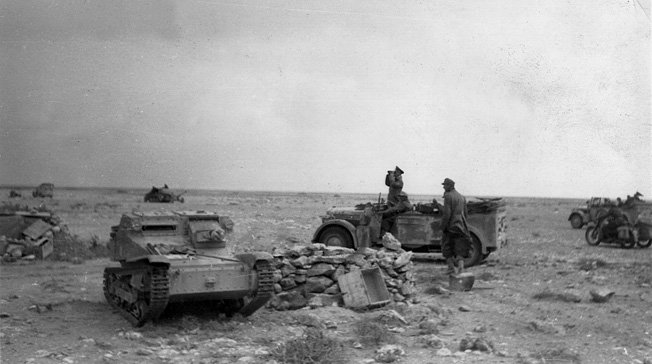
(627, 233)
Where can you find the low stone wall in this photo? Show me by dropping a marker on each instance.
(308, 275)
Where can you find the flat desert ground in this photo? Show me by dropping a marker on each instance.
(531, 300)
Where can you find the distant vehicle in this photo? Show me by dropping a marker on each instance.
(44, 190)
(178, 256)
(163, 194)
(417, 230)
(595, 208)
(636, 229)
(14, 194)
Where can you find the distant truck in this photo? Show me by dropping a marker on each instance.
(417, 230)
(595, 208)
(44, 190)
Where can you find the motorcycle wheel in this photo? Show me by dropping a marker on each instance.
(592, 236)
(645, 243)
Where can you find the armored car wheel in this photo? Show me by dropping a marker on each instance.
(336, 236)
(576, 221)
(592, 236)
(645, 243)
(475, 252)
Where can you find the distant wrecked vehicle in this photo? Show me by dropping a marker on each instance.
(417, 230)
(44, 190)
(595, 208)
(163, 194)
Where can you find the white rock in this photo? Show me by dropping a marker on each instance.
(444, 352)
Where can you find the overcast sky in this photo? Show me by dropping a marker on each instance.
(512, 98)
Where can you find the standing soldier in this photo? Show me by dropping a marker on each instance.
(394, 180)
(456, 239)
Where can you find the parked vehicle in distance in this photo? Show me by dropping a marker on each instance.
(595, 208)
(44, 190)
(417, 230)
(163, 194)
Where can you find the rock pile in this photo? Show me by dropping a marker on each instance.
(308, 275)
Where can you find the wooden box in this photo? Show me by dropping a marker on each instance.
(364, 288)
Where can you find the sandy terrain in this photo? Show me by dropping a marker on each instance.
(531, 300)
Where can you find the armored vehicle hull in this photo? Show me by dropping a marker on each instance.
(174, 257)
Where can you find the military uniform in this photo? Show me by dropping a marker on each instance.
(395, 183)
(389, 215)
(456, 239)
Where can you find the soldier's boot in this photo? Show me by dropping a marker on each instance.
(460, 266)
(451, 266)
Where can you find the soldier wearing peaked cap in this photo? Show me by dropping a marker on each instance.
(456, 239)
(394, 180)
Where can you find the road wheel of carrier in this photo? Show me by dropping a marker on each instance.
(592, 236)
(336, 236)
(576, 221)
(475, 252)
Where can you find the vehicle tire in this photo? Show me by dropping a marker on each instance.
(628, 243)
(645, 243)
(336, 236)
(591, 235)
(475, 252)
(576, 221)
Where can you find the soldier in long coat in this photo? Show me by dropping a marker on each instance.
(456, 239)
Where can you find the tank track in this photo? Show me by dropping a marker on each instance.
(151, 299)
(264, 291)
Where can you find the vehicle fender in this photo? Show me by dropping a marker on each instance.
(151, 259)
(250, 259)
(345, 224)
(483, 239)
(582, 213)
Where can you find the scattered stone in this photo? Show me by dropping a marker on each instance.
(391, 243)
(389, 354)
(464, 308)
(601, 295)
(310, 320)
(132, 335)
(144, 352)
(444, 352)
(432, 341)
(103, 345)
(429, 326)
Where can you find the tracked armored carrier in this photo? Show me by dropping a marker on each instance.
(178, 257)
